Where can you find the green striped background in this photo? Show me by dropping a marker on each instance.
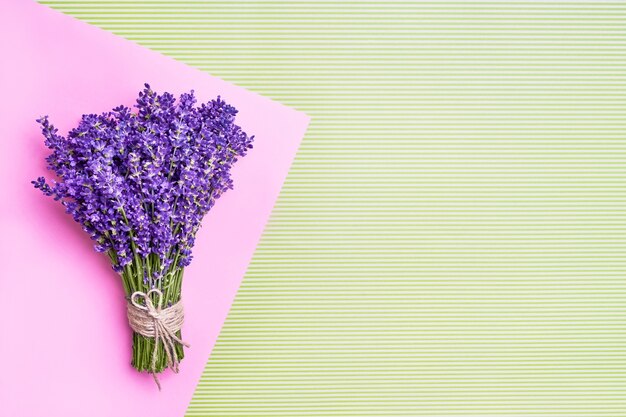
(450, 240)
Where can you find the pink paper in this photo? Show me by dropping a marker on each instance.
(65, 343)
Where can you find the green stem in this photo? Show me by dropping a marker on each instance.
(143, 347)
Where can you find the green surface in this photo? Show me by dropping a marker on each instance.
(450, 240)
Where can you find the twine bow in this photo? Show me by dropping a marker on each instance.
(157, 323)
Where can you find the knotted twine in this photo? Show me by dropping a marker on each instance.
(158, 323)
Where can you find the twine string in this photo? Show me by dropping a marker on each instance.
(158, 323)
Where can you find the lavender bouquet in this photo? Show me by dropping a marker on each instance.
(139, 183)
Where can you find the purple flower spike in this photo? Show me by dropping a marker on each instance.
(139, 183)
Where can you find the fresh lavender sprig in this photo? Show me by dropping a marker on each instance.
(140, 182)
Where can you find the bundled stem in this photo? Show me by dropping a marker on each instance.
(133, 280)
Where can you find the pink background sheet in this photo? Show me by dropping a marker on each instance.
(64, 331)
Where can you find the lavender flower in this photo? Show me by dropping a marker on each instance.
(139, 183)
